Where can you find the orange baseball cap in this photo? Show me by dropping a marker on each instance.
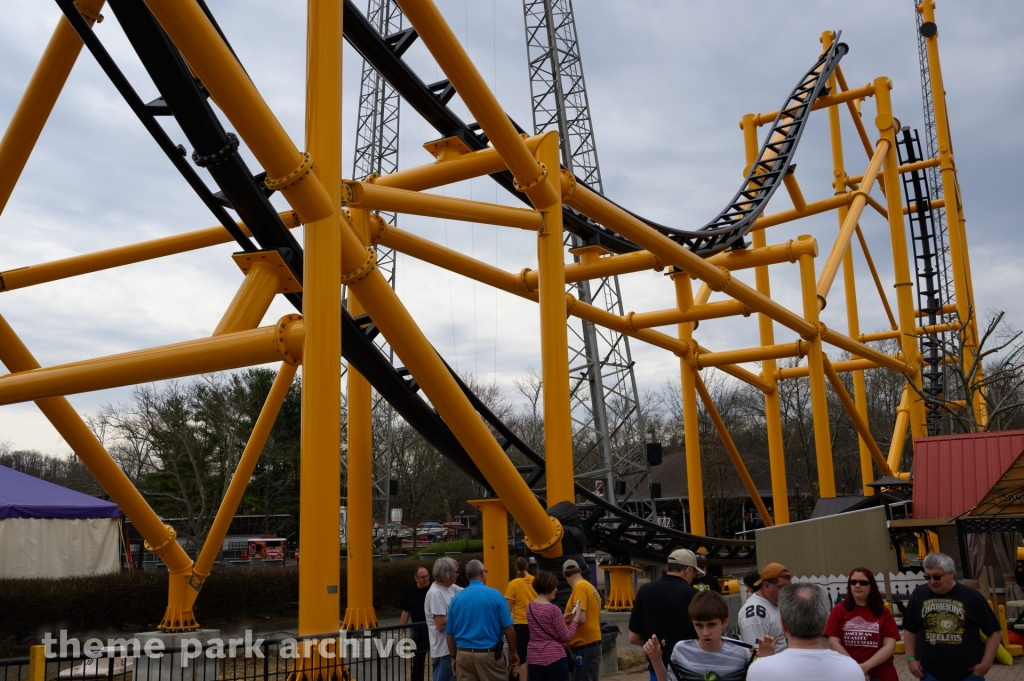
(772, 571)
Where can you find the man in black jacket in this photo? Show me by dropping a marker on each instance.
(660, 608)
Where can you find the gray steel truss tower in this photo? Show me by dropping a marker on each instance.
(376, 152)
(608, 430)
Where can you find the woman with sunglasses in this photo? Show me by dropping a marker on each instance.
(863, 628)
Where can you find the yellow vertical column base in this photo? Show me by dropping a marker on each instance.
(313, 665)
(359, 618)
(620, 589)
(37, 663)
(495, 526)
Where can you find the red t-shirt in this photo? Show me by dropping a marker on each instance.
(861, 633)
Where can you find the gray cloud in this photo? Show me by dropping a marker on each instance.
(668, 82)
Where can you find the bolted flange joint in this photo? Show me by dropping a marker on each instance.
(288, 349)
(554, 541)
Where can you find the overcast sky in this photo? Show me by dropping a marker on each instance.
(668, 82)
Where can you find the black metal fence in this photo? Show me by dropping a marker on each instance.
(382, 654)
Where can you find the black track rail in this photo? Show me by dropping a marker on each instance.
(728, 228)
(606, 525)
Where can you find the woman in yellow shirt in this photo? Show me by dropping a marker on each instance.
(518, 595)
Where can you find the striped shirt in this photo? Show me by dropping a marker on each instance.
(548, 633)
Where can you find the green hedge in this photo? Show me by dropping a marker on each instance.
(136, 600)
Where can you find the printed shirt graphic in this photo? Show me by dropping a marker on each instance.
(947, 627)
(690, 662)
(759, 618)
(862, 633)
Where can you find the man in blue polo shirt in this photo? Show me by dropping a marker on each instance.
(477, 618)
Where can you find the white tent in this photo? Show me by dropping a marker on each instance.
(51, 531)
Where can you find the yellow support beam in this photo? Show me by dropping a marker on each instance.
(439, 39)
(242, 475)
(319, 192)
(280, 342)
(886, 125)
(766, 334)
(288, 169)
(691, 422)
(860, 422)
(819, 398)
(372, 197)
(544, 534)
(159, 538)
(495, 528)
(125, 255)
(449, 169)
(849, 277)
(734, 453)
(39, 98)
(360, 613)
(558, 451)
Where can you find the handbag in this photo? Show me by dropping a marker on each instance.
(570, 659)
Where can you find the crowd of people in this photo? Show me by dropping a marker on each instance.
(786, 630)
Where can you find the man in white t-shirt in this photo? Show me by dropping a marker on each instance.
(804, 610)
(435, 607)
(759, 615)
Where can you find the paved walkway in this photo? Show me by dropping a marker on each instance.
(997, 673)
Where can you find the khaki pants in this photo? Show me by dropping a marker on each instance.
(480, 667)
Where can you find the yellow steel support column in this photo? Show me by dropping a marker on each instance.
(320, 463)
(544, 533)
(839, 178)
(160, 538)
(691, 423)
(860, 423)
(359, 485)
(558, 454)
(495, 524)
(37, 663)
(243, 473)
(900, 257)
(288, 169)
(40, 96)
(816, 369)
(620, 587)
(766, 330)
(963, 285)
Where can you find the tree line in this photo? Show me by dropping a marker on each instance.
(179, 442)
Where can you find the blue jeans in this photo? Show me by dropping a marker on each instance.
(442, 668)
(969, 677)
(654, 677)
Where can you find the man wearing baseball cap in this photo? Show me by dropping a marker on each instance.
(660, 607)
(759, 620)
(585, 645)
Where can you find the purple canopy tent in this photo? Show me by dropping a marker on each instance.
(51, 531)
(24, 496)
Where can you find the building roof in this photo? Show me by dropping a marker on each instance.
(953, 473)
(24, 496)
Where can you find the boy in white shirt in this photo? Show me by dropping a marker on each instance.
(710, 655)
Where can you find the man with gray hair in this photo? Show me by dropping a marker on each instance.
(803, 609)
(942, 624)
(435, 609)
(477, 619)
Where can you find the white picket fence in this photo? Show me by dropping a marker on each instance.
(902, 583)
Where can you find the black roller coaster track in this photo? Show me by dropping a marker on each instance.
(727, 230)
(185, 99)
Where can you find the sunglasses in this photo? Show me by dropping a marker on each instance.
(859, 582)
(934, 578)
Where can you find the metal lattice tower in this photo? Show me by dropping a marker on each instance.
(376, 152)
(934, 173)
(608, 430)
